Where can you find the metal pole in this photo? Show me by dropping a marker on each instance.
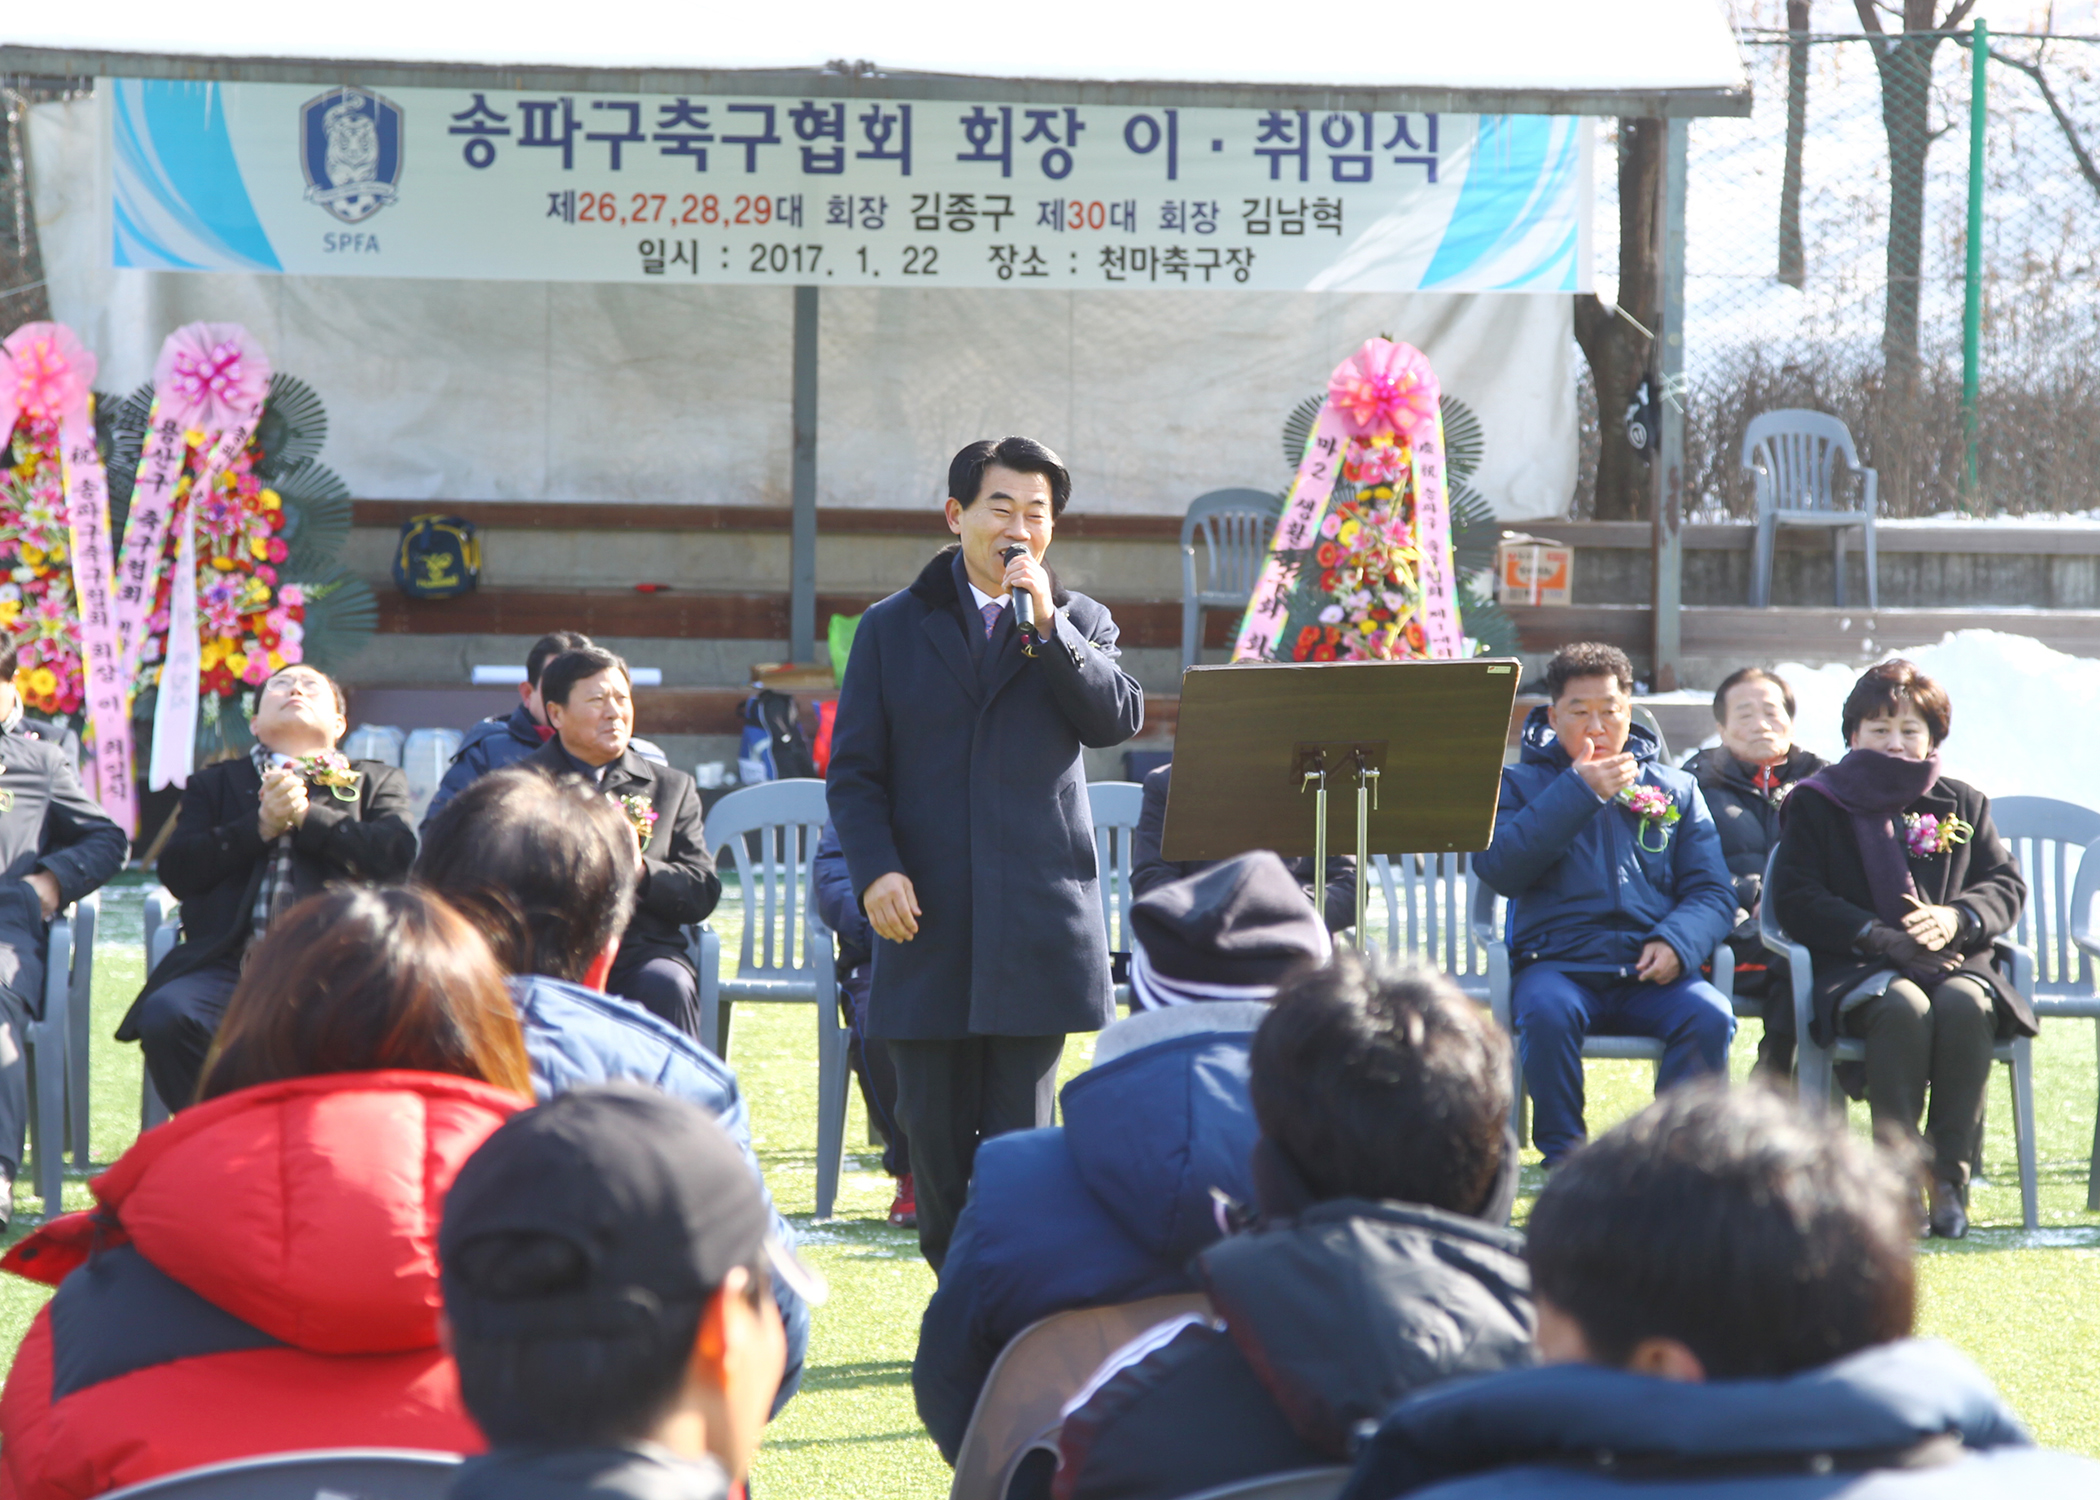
(1318, 778)
(1972, 290)
(802, 545)
(1669, 500)
(1366, 793)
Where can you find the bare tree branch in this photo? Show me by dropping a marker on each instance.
(2086, 168)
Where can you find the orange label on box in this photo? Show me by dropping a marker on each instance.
(1533, 573)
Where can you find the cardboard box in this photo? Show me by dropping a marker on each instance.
(1533, 570)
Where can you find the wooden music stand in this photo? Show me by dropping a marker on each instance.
(1420, 742)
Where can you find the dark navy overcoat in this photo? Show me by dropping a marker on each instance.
(958, 763)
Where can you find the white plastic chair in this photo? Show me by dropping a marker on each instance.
(68, 971)
(1815, 1065)
(162, 920)
(785, 820)
(2050, 840)
(1427, 901)
(1237, 527)
(1487, 914)
(1116, 806)
(425, 757)
(1793, 454)
(2085, 932)
(366, 1473)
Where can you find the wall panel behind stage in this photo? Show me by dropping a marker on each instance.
(572, 391)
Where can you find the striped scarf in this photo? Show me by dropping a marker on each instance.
(275, 892)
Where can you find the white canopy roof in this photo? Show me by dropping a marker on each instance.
(1649, 57)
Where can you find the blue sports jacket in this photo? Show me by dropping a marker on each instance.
(576, 1036)
(1583, 1432)
(1108, 1208)
(1586, 890)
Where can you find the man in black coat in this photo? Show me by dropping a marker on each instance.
(1379, 1263)
(1744, 779)
(959, 793)
(254, 837)
(56, 845)
(589, 699)
(1149, 869)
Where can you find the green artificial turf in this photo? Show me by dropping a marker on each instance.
(2023, 1305)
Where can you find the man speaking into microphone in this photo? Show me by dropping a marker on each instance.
(959, 794)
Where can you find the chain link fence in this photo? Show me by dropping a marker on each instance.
(1827, 266)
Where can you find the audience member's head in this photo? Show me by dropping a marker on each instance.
(1228, 932)
(606, 1277)
(10, 662)
(1722, 1234)
(1897, 709)
(544, 650)
(299, 710)
(363, 978)
(543, 865)
(1754, 710)
(1384, 1082)
(1589, 691)
(589, 701)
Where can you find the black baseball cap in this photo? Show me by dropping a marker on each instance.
(652, 1199)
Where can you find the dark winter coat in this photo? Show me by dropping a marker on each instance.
(47, 822)
(492, 744)
(1584, 893)
(215, 860)
(641, 1473)
(578, 1037)
(1106, 1209)
(1585, 1432)
(1148, 869)
(1746, 818)
(1820, 895)
(956, 761)
(1329, 1318)
(678, 883)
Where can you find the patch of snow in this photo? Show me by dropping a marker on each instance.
(2026, 718)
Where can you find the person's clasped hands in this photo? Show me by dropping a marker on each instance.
(1905, 951)
(283, 802)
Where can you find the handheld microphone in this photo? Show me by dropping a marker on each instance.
(1024, 603)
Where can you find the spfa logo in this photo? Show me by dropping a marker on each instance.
(350, 146)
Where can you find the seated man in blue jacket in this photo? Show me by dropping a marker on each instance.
(1110, 1206)
(1617, 890)
(494, 743)
(544, 867)
(839, 909)
(1725, 1289)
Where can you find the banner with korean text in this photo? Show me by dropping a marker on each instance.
(488, 184)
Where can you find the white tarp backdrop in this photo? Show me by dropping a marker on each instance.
(661, 393)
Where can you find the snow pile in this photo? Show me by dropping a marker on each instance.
(2026, 718)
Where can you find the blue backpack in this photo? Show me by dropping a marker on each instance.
(439, 558)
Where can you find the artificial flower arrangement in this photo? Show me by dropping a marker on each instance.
(1387, 571)
(234, 443)
(37, 606)
(642, 814)
(1656, 809)
(1928, 834)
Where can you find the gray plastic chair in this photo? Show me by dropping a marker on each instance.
(771, 831)
(2052, 841)
(1793, 454)
(2085, 932)
(1116, 805)
(80, 1026)
(1236, 527)
(1041, 1368)
(1487, 913)
(317, 1474)
(1428, 898)
(68, 970)
(1815, 1066)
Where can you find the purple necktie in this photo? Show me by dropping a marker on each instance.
(991, 613)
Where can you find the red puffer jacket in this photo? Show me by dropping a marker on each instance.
(261, 1276)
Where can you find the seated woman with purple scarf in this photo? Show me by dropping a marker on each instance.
(1893, 877)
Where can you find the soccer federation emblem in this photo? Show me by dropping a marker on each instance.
(350, 146)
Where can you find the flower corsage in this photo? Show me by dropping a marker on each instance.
(1927, 834)
(1656, 809)
(642, 815)
(330, 768)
